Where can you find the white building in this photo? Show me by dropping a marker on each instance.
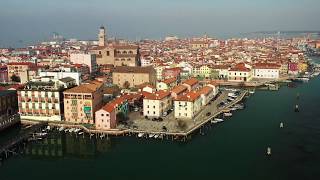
(266, 71)
(207, 94)
(87, 59)
(188, 105)
(157, 104)
(146, 61)
(240, 73)
(60, 74)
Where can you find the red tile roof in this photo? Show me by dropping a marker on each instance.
(179, 89)
(191, 82)
(205, 90)
(158, 95)
(190, 96)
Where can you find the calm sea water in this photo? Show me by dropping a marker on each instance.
(235, 149)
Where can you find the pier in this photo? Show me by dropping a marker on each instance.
(9, 147)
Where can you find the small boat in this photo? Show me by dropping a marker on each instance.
(91, 135)
(161, 136)
(214, 121)
(156, 136)
(218, 120)
(140, 135)
(281, 125)
(48, 128)
(251, 92)
(66, 130)
(234, 109)
(102, 136)
(71, 130)
(77, 130)
(61, 129)
(296, 108)
(151, 135)
(80, 133)
(228, 114)
(269, 151)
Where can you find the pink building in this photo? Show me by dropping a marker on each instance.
(293, 68)
(106, 117)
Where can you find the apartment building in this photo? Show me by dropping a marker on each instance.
(157, 104)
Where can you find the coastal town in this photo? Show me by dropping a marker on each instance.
(148, 88)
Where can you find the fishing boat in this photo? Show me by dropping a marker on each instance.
(71, 130)
(80, 133)
(48, 128)
(227, 114)
(66, 130)
(156, 136)
(151, 135)
(140, 135)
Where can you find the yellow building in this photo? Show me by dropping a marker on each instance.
(303, 67)
(125, 76)
(202, 71)
(81, 102)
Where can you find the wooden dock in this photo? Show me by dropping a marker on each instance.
(6, 148)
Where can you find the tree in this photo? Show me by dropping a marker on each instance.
(126, 85)
(182, 125)
(15, 78)
(121, 117)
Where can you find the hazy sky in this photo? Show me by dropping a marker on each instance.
(35, 20)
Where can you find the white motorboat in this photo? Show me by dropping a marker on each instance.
(71, 130)
(66, 130)
(214, 121)
(156, 136)
(77, 130)
(218, 120)
(80, 133)
(269, 151)
(151, 135)
(281, 125)
(140, 135)
(48, 128)
(102, 136)
(228, 114)
(61, 129)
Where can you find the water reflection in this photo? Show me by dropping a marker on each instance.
(61, 145)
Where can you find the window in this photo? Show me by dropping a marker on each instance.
(154, 112)
(102, 114)
(108, 53)
(100, 52)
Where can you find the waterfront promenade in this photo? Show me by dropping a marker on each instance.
(141, 125)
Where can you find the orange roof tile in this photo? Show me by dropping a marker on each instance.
(191, 81)
(190, 96)
(179, 89)
(158, 95)
(205, 90)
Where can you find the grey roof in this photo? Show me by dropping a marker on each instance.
(66, 79)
